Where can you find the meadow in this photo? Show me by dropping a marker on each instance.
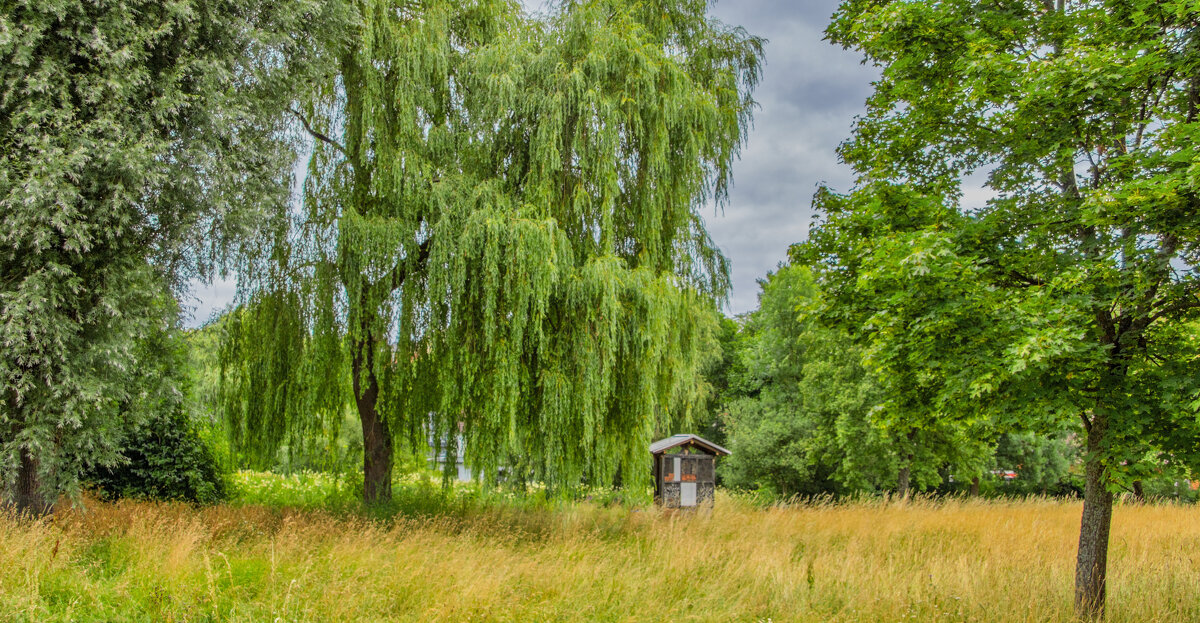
(295, 549)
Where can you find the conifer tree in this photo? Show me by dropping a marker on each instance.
(501, 235)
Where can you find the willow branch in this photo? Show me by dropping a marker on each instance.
(399, 273)
(317, 135)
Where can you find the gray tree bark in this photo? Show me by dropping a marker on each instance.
(27, 497)
(903, 481)
(1092, 561)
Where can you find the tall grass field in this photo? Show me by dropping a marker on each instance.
(919, 560)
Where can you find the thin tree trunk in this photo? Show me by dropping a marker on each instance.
(904, 476)
(27, 496)
(903, 481)
(377, 438)
(1092, 561)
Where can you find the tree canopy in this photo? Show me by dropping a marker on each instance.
(796, 411)
(501, 235)
(133, 139)
(1066, 297)
(805, 414)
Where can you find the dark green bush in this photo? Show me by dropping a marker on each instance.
(164, 456)
(166, 459)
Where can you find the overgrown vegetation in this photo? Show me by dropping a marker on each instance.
(498, 251)
(163, 458)
(138, 141)
(165, 449)
(859, 562)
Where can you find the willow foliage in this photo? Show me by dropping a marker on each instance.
(505, 238)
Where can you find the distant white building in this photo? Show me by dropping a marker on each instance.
(438, 459)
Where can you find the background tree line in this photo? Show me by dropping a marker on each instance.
(797, 402)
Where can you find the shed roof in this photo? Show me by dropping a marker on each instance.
(662, 445)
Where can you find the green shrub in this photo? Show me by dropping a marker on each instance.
(163, 453)
(165, 459)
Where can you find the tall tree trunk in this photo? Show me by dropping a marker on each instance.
(903, 479)
(377, 438)
(27, 497)
(1092, 562)
(1139, 492)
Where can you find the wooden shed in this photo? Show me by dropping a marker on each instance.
(684, 471)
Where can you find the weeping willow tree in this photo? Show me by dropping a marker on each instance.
(500, 237)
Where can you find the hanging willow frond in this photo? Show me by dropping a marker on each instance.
(512, 237)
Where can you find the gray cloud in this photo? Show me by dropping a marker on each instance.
(763, 13)
(206, 301)
(810, 92)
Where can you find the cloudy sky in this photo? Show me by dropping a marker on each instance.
(809, 95)
(810, 92)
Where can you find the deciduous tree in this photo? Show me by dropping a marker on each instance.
(501, 235)
(131, 144)
(1064, 298)
(806, 414)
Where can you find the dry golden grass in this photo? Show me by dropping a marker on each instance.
(921, 561)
